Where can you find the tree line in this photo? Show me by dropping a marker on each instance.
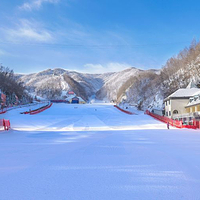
(177, 73)
(15, 91)
(180, 69)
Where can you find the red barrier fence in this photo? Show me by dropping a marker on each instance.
(125, 111)
(5, 123)
(8, 108)
(197, 123)
(38, 110)
(2, 111)
(33, 112)
(175, 123)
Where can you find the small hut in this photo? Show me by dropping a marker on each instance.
(75, 100)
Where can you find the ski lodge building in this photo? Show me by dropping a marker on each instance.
(184, 104)
(177, 101)
(75, 100)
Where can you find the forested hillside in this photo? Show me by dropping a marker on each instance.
(181, 69)
(54, 83)
(13, 89)
(149, 90)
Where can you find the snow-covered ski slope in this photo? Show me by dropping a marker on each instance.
(76, 152)
(89, 117)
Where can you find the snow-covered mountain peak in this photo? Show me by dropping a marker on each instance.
(53, 83)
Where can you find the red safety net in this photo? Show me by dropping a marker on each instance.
(175, 123)
(125, 111)
(2, 111)
(33, 112)
(38, 110)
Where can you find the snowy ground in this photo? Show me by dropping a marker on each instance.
(96, 152)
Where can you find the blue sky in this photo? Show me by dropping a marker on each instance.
(94, 35)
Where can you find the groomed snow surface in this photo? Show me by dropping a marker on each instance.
(96, 152)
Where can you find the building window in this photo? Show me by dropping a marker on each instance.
(175, 112)
(169, 113)
(169, 102)
(195, 98)
(166, 103)
(166, 113)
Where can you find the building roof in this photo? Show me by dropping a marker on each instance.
(80, 99)
(70, 97)
(184, 93)
(197, 93)
(73, 97)
(195, 100)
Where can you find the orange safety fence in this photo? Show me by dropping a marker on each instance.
(5, 123)
(125, 111)
(175, 123)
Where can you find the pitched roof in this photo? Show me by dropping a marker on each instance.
(197, 93)
(184, 93)
(73, 97)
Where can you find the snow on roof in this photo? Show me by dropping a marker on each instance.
(80, 99)
(184, 92)
(70, 97)
(197, 93)
(194, 100)
(74, 96)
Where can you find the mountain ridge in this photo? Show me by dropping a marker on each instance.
(88, 84)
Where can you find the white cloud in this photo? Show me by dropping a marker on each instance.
(36, 4)
(110, 67)
(27, 30)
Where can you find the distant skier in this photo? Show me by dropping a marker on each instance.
(167, 125)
